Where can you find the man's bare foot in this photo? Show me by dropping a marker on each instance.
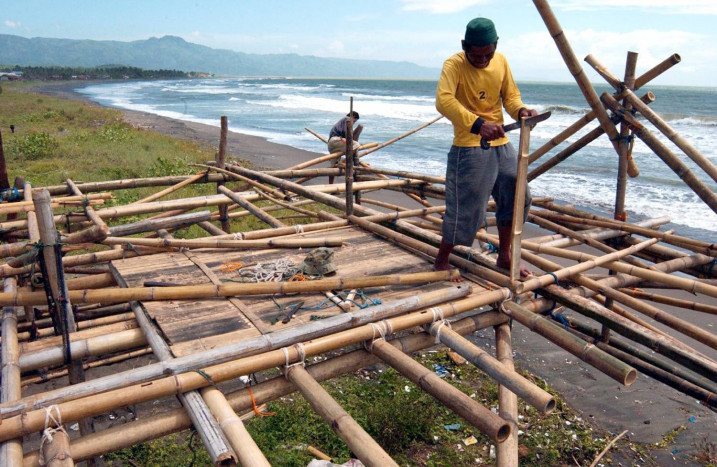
(524, 271)
(446, 267)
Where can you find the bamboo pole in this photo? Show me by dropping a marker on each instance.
(659, 343)
(234, 244)
(110, 185)
(556, 31)
(127, 395)
(11, 450)
(661, 316)
(666, 300)
(697, 246)
(590, 116)
(250, 347)
(507, 377)
(248, 453)
(521, 185)
(220, 161)
(89, 347)
(172, 189)
(321, 138)
(252, 208)
(507, 451)
(648, 356)
(474, 413)
(609, 365)
(625, 142)
(398, 138)
(327, 157)
(362, 445)
(149, 428)
(664, 153)
(588, 240)
(17, 207)
(60, 373)
(175, 222)
(579, 144)
(655, 119)
(401, 173)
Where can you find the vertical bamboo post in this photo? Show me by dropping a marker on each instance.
(507, 451)
(56, 451)
(625, 146)
(366, 448)
(521, 184)
(248, 453)
(581, 78)
(10, 451)
(349, 176)
(55, 277)
(221, 163)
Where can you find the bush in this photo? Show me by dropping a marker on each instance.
(36, 146)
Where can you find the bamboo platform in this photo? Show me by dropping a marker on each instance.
(191, 325)
(134, 288)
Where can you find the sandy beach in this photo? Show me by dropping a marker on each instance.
(649, 410)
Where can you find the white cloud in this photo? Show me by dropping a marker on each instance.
(689, 7)
(440, 6)
(12, 24)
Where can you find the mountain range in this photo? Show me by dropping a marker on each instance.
(174, 53)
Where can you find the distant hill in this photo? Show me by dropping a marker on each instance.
(174, 53)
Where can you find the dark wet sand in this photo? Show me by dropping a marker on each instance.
(648, 409)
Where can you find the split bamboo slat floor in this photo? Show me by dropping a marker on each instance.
(192, 325)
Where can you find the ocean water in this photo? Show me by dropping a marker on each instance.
(279, 109)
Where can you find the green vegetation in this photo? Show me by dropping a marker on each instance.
(57, 139)
(100, 72)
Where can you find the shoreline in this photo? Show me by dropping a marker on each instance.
(648, 409)
(256, 150)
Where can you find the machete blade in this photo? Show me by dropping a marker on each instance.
(528, 121)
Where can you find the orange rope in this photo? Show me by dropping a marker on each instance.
(256, 409)
(230, 266)
(298, 277)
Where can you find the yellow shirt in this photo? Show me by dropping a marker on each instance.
(465, 92)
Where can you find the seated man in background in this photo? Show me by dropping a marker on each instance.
(337, 136)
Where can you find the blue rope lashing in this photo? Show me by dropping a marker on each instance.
(560, 319)
(712, 265)
(554, 276)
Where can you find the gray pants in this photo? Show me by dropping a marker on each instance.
(472, 176)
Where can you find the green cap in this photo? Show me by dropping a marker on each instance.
(481, 32)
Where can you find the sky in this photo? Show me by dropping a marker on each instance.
(425, 32)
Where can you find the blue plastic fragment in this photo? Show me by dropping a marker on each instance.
(452, 427)
(440, 371)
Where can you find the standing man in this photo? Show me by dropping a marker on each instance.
(473, 88)
(337, 137)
